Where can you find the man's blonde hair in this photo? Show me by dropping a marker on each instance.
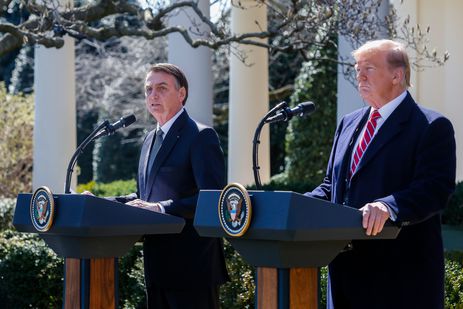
(396, 56)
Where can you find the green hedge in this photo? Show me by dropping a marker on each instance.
(31, 274)
(6, 213)
(115, 188)
(453, 214)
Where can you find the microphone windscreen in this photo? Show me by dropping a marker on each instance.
(128, 120)
(307, 107)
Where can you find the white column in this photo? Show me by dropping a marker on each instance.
(248, 97)
(440, 88)
(195, 62)
(55, 115)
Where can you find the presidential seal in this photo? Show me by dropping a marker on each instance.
(235, 209)
(42, 209)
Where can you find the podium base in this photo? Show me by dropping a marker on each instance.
(287, 288)
(90, 283)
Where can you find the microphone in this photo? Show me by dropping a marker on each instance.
(287, 113)
(102, 130)
(121, 123)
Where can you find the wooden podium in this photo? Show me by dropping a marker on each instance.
(90, 232)
(290, 235)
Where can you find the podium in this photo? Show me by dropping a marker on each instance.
(90, 232)
(290, 234)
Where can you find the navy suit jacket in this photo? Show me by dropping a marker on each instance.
(190, 159)
(410, 165)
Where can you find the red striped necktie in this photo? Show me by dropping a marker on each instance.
(366, 139)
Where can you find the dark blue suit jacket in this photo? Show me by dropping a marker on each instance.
(410, 165)
(189, 160)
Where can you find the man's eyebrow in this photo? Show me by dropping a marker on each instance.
(158, 84)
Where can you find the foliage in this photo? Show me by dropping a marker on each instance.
(30, 273)
(309, 140)
(323, 282)
(131, 279)
(454, 281)
(239, 292)
(6, 213)
(16, 125)
(15, 15)
(22, 76)
(453, 213)
(115, 188)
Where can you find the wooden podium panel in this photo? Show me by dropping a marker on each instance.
(303, 288)
(273, 292)
(267, 288)
(102, 283)
(72, 283)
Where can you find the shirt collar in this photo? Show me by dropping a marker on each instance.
(389, 107)
(166, 127)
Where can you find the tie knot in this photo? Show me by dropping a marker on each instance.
(375, 115)
(159, 132)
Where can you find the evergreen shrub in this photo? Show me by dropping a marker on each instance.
(453, 213)
(309, 139)
(31, 274)
(6, 213)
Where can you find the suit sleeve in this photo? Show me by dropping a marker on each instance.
(433, 179)
(323, 191)
(208, 167)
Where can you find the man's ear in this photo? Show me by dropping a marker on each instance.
(182, 93)
(398, 75)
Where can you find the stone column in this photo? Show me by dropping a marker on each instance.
(195, 62)
(248, 96)
(55, 115)
(439, 88)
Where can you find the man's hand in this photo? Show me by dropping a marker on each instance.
(88, 193)
(145, 205)
(374, 216)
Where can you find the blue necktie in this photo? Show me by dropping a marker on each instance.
(154, 151)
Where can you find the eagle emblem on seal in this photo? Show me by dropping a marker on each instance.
(42, 207)
(234, 203)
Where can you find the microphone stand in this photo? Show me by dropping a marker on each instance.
(102, 130)
(256, 142)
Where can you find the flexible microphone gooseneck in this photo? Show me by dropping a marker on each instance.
(281, 112)
(103, 129)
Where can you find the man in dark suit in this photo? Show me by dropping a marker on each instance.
(393, 160)
(178, 158)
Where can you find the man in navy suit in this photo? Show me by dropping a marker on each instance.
(393, 160)
(178, 158)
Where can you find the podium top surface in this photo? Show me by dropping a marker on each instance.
(89, 216)
(289, 216)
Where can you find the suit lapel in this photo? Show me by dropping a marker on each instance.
(391, 127)
(144, 157)
(167, 145)
(344, 148)
(350, 135)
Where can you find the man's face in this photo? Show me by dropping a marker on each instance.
(375, 78)
(163, 99)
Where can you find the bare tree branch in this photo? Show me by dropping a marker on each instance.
(296, 25)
